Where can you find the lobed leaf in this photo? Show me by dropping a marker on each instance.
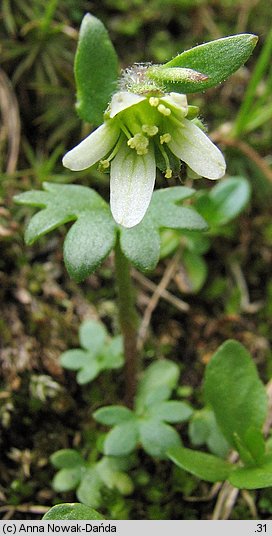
(66, 458)
(93, 235)
(111, 415)
(156, 384)
(122, 439)
(157, 437)
(89, 240)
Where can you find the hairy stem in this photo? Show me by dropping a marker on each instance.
(128, 322)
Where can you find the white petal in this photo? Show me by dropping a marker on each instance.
(93, 148)
(177, 100)
(191, 145)
(122, 100)
(132, 179)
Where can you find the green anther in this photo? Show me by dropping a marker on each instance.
(165, 138)
(150, 130)
(164, 110)
(139, 142)
(154, 101)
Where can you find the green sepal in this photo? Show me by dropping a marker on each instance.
(96, 70)
(216, 60)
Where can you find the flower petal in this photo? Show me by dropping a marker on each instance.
(191, 145)
(132, 179)
(122, 100)
(93, 148)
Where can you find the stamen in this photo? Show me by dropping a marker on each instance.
(165, 138)
(168, 171)
(139, 142)
(164, 110)
(150, 130)
(154, 101)
(104, 164)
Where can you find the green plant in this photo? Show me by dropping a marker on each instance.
(146, 124)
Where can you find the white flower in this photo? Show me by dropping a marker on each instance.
(135, 129)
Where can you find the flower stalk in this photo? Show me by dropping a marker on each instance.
(128, 322)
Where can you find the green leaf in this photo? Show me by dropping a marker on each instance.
(111, 415)
(157, 437)
(204, 430)
(74, 359)
(204, 466)
(113, 477)
(96, 70)
(225, 201)
(235, 392)
(66, 458)
(196, 270)
(89, 372)
(122, 439)
(89, 240)
(92, 237)
(253, 477)
(89, 491)
(67, 479)
(141, 244)
(171, 411)
(217, 60)
(92, 336)
(113, 353)
(156, 384)
(75, 511)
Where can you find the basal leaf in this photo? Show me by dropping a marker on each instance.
(253, 477)
(171, 411)
(66, 458)
(235, 392)
(122, 439)
(96, 70)
(157, 437)
(89, 491)
(204, 466)
(67, 479)
(217, 60)
(111, 415)
(156, 384)
(73, 511)
(92, 335)
(224, 202)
